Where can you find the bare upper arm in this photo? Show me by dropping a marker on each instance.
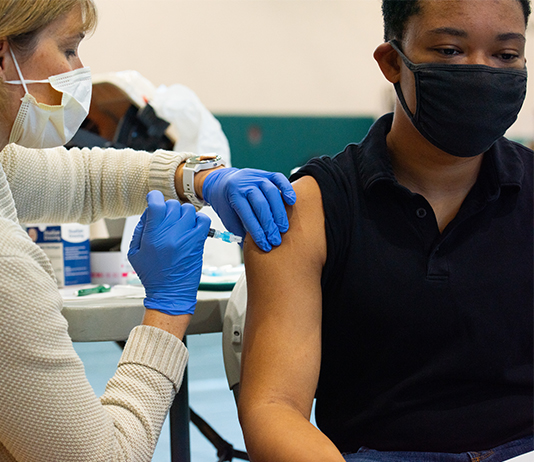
(281, 356)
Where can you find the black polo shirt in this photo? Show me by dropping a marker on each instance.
(427, 336)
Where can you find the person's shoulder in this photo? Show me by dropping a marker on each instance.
(331, 174)
(305, 239)
(526, 154)
(515, 146)
(307, 190)
(328, 164)
(514, 165)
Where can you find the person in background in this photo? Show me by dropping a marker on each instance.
(48, 409)
(401, 297)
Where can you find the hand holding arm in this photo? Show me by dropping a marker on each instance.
(252, 201)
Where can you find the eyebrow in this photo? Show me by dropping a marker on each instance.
(78, 37)
(462, 33)
(511, 36)
(448, 31)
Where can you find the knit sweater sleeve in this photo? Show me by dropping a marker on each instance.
(48, 408)
(83, 185)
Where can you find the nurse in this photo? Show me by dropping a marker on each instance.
(49, 411)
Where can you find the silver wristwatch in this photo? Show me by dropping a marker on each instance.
(193, 165)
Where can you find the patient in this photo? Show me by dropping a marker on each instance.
(404, 302)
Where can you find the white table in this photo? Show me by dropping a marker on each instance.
(97, 318)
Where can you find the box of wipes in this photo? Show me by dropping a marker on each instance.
(67, 247)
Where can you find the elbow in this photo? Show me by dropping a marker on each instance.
(255, 440)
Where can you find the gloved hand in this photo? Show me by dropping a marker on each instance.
(250, 200)
(166, 253)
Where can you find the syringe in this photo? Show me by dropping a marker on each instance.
(225, 236)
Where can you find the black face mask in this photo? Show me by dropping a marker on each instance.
(463, 108)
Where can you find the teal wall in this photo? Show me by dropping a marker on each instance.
(280, 143)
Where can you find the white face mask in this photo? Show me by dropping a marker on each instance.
(40, 125)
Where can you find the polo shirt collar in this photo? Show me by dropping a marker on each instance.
(373, 159)
(502, 165)
(507, 163)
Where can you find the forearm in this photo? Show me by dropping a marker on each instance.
(175, 325)
(276, 433)
(82, 185)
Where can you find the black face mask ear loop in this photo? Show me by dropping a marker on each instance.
(396, 46)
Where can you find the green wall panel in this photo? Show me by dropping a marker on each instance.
(283, 143)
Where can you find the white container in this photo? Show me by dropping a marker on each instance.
(109, 268)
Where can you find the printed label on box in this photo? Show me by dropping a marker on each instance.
(67, 247)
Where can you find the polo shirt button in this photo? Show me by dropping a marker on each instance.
(420, 212)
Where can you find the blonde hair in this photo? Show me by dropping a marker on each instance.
(22, 20)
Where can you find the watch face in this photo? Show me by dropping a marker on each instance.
(205, 159)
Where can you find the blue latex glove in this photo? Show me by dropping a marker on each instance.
(250, 200)
(166, 253)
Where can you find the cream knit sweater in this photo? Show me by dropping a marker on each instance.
(48, 410)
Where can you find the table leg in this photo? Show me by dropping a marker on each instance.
(179, 420)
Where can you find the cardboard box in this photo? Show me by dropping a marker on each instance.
(67, 247)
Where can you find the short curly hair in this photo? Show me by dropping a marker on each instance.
(397, 12)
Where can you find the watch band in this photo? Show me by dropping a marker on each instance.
(189, 187)
(193, 165)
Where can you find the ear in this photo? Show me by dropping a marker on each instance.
(4, 49)
(389, 62)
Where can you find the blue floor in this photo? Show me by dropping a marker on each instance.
(209, 395)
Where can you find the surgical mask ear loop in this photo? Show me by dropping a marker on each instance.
(18, 71)
(21, 81)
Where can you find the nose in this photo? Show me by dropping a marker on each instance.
(480, 57)
(76, 63)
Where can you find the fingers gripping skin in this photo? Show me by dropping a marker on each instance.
(166, 252)
(261, 225)
(279, 213)
(251, 201)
